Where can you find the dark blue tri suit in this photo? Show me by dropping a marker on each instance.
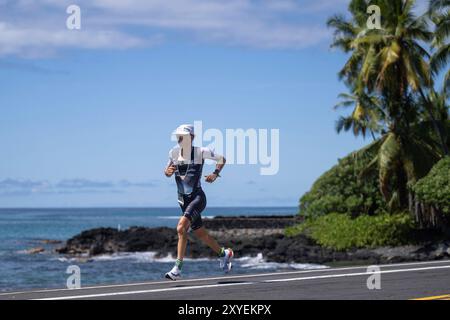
(191, 198)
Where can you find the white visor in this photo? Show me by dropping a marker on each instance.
(183, 130)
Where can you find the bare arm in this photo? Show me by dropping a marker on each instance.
(219, 166)
(170, 169)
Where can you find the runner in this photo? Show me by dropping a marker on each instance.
(186, 162)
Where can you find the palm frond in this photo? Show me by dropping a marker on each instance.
(438, 4)
(440, 59)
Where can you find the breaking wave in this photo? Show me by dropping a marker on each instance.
(259, 263)
(252, 263)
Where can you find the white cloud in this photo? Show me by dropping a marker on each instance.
(35, 42)
(236, 22)
(37, 28)
(15, 187)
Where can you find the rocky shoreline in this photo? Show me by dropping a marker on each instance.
(248, 236)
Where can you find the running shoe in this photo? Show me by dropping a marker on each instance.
(225, 261)
(174, 274)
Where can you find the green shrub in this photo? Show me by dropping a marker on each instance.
(434, 189)
(343, 190)
(340, 231)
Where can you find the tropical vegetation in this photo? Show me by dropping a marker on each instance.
(399, 88)
(340, 231)
(434, 190)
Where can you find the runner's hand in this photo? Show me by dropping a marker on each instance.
(170, 170)
(211, 178)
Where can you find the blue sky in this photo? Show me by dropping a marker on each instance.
(86, 116)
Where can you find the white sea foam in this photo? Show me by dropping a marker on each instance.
(139, 257)
(178, 217)
(259, 263)
(252, 263)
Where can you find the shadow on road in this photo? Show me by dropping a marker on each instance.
(219, 282)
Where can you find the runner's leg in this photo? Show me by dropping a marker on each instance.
(203, 235)
(182, 230)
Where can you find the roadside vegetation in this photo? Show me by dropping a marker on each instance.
(433, 191)
(340, 231)
(398, 83)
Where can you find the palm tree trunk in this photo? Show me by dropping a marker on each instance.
(402, 188)
(410, 202)
(419, 219)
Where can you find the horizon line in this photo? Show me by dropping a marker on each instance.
(138, 207)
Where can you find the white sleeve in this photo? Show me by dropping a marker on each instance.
(170, 161)
(207, 153)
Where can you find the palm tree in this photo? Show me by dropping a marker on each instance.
(366, 115)
(439, 12)
(392, 64)
(441, 108)
(401, 161)
(391, 61)
(345, 32)
(441, 111)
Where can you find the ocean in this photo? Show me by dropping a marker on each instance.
(24, 229)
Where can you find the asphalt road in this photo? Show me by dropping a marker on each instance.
(429, 280)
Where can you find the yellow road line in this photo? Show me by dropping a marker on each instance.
(443, 297)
